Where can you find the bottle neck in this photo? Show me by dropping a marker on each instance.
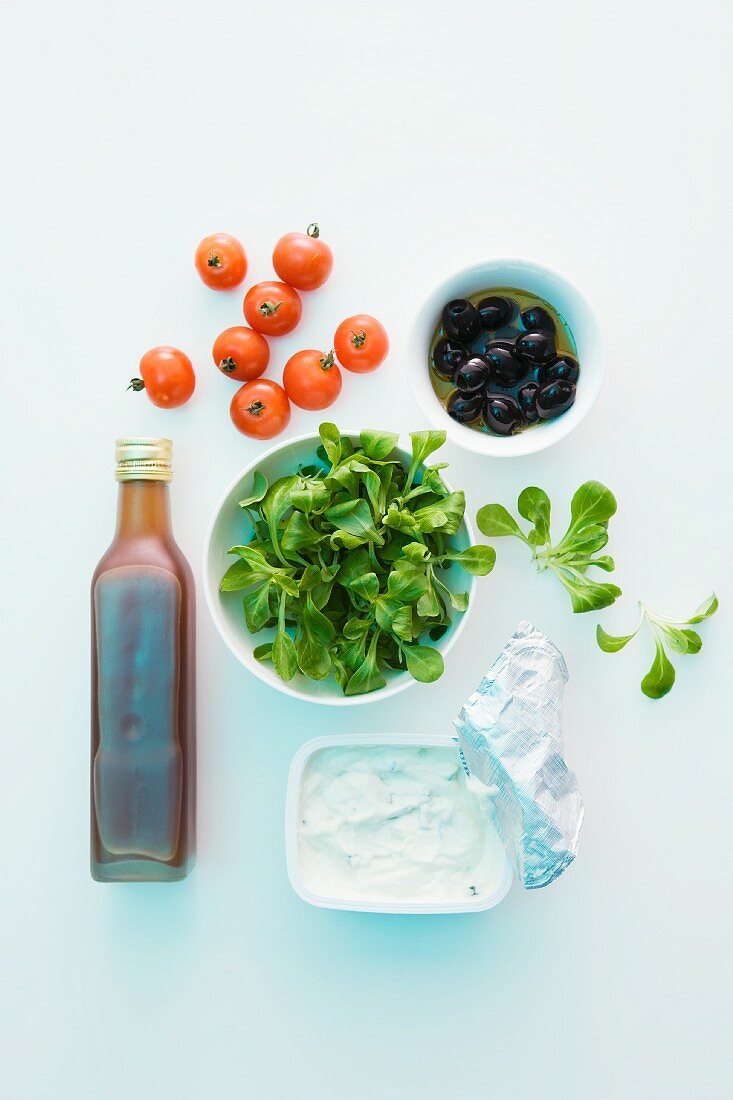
(143, 508)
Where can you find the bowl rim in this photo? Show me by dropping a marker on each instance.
(402, 680)
(525, 443)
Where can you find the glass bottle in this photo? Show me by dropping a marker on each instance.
(143, 763)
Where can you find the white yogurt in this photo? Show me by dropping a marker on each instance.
(396, 823)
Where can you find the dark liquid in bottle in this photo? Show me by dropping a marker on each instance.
(143, 702)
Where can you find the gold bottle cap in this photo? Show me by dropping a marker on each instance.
(141, 459)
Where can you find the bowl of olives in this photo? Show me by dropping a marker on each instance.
(506, 356)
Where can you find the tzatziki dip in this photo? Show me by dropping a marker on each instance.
(396, 823)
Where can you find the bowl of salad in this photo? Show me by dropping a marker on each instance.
(339, 567)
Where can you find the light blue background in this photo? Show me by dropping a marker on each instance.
(595, 137)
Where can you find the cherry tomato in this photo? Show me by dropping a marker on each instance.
(272, 308)
(361, 343)
(221, 261)
(303, 260)
(260, 409)
(166, 375)
(240, 353)
(312, 380)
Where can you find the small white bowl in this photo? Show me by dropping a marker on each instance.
(572, 306)
(505, 875)
(229, 527)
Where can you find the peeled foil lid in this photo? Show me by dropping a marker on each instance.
(510, 738)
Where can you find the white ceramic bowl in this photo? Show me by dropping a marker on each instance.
(230, 527)
(572, 306)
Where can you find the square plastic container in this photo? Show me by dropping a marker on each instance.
(292, 801)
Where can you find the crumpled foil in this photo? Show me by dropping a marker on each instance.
(510, 738)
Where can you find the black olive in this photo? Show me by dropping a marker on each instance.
(460, 320)
(448, 356)
(506, 368)
(526, 396)
(562, 369)
(464, 407)
(537, 319)
(472, 375)
(536, 347)
(496, 347)
(555, 398)
(494, 312)
(501, 414)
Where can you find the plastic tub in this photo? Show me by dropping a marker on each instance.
(292, 801)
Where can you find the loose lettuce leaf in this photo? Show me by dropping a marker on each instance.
(678, 637)
(585, 594)
(494, 521)
(612, 643)
(534, 505)
(707, 608)
(682, 641)
(593, 503)
(591, 508)
(660, 678)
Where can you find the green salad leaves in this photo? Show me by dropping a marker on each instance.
(570, 559)
(348, 562)
(667, 634)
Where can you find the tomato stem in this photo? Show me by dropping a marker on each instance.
(313, 230)
(326, 361)
(269, 307)
(255, 408)
(136, 384)
(214, 260)
(358, 339)
(228, 365)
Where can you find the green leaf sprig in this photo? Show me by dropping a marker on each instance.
(569, 560)
(349, 561)
(672, 634)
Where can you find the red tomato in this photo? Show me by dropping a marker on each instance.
(240, 353)
(361, 343)
(272, 308)
(303, 260)
(166, 375)
(221, 261)
(312, 380)
(260, 409)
